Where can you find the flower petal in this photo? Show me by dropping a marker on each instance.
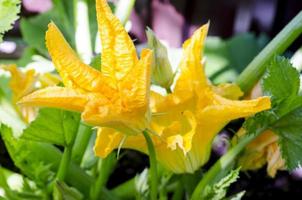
(228, 90)
(118, 51)
(192, 71)
(73, 71)
(109, 139)
(21, 83)
(57, 97)
(135, 85)
(225, 110)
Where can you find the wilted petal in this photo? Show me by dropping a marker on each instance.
(57, 97)
(275, 161)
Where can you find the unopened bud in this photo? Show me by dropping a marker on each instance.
(162, 73)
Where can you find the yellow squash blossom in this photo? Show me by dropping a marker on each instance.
(186, 121)
(118, 95)
(263, 150)
(23, 83)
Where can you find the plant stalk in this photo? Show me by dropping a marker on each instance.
(81, 143)
(64, 164)
(221, 165)
(253, 72)
(153, 166)
(105, 169)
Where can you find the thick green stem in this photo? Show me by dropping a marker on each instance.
(221, 165)
(81, 143)
(64, 164)
(82, 31)
(106, 167)
(253, 72)
(153, 166)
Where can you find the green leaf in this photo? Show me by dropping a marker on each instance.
(289, 129)
(8, 15)
(281, 82)
(225, 60)
(218, 190)
(9, 117)
(53, 126)
(26, 158)
(64, 192)
(34, 158)
(33, 30)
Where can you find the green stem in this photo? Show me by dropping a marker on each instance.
(179, 192)
(168, 90)
(64, 164)
(126, 190)
(82, 31)
(153, 166)
(81, 143)
(253, 72)
(221, 165)
(105, 169)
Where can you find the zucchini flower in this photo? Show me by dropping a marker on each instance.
(23, 82)
(264, 150)
(117, 96)
(186, 121)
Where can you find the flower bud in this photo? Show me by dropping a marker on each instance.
(162, 73)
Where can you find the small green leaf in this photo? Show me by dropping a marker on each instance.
(8, 15)
(53, 126)
(218, 190)
(281, 82)
(64, 192)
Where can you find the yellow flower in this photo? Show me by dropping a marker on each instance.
(118, 95)
(186, 121)
(262, 150)
(24, 82)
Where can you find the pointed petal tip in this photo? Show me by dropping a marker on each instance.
(264, 103)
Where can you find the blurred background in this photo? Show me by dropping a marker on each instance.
(239, 29)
